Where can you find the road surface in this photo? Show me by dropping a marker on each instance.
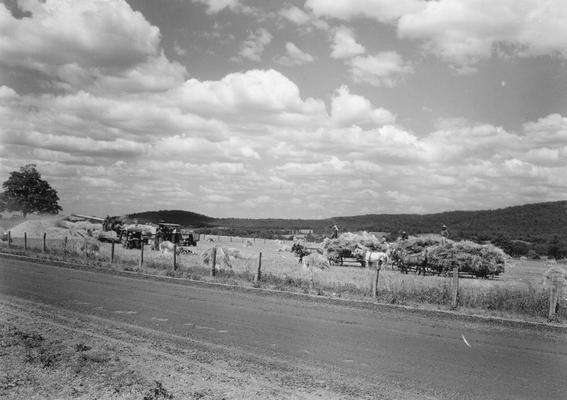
(420, 353)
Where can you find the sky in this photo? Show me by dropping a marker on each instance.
(286, 109)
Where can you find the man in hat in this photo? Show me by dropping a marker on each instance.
(444, 234)
(335, 232)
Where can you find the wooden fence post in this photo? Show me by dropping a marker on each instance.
(312, 279)
(44, 242)
(552, 302)
(111, 251)
(25, 240)
(85, 248)
(65, 245)
(174, 256)
(259, 270)
(455, 288)
(375, 282)
(141, 253)
(213, 261)
(9, 239)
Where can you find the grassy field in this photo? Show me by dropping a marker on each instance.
(517, 293)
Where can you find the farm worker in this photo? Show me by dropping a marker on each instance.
(404, 235)
(444, 234)
(335, 232)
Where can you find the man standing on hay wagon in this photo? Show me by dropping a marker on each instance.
(335, 232)
(444, 234)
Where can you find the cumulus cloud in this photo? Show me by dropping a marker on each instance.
(382, 10)
(294, 56)
(123, 118)
(345, 44)
(465, 32)
(253, 47)
(349, 109)
(236, 94)
(295, 15)
(75, 43)
(382, 69)
(214, 6)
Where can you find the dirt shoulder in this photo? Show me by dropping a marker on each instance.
(51, 353)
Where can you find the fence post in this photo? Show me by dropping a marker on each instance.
(375, 282)
(174, 256)
(213, 260)
(552, 303)
(141, 253)
(85, 248)
(312, 279)
(111, 251)
(9, 239)
(455, 288)
(44, 240)
(25, 240)
(65, 245)
(259, 270)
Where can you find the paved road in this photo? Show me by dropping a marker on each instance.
(423, 353)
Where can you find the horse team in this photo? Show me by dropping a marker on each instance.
(395, 257)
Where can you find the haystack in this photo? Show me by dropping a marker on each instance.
(222, 259)
(469, 257)
(347, 242)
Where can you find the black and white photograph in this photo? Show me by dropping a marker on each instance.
(294, 199)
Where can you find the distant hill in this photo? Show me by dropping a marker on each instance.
(541, 227)
(181, 217)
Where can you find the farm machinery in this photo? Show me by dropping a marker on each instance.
(132, 236)
(174, 233)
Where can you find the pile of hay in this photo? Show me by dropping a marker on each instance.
(56, 228)
(347, 242)
(222, 258)
(469, 257)
(417, 245)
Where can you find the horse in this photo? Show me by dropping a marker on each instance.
(302, 251)
(369, 257)
(405, 261)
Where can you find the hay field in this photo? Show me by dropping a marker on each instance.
(518, 291)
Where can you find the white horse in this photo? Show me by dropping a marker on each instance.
(370, 258)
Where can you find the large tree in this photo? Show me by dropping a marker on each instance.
(26, 192)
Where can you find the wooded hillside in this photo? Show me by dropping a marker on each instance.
(539, 227)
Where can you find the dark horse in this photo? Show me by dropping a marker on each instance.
(404, 261)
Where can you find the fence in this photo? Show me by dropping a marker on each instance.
(267, 263)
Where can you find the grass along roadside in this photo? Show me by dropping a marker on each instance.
(513, 296)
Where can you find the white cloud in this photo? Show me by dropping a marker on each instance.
(382, 69)
(295, 15)
(345, 44)
(349, 109)
(466, 32)
(294, 56)
(382, 10)
(214, 6)
(252, 91)
(76, 43)
(253, 47)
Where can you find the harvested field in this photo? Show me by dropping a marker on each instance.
(518, 292)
